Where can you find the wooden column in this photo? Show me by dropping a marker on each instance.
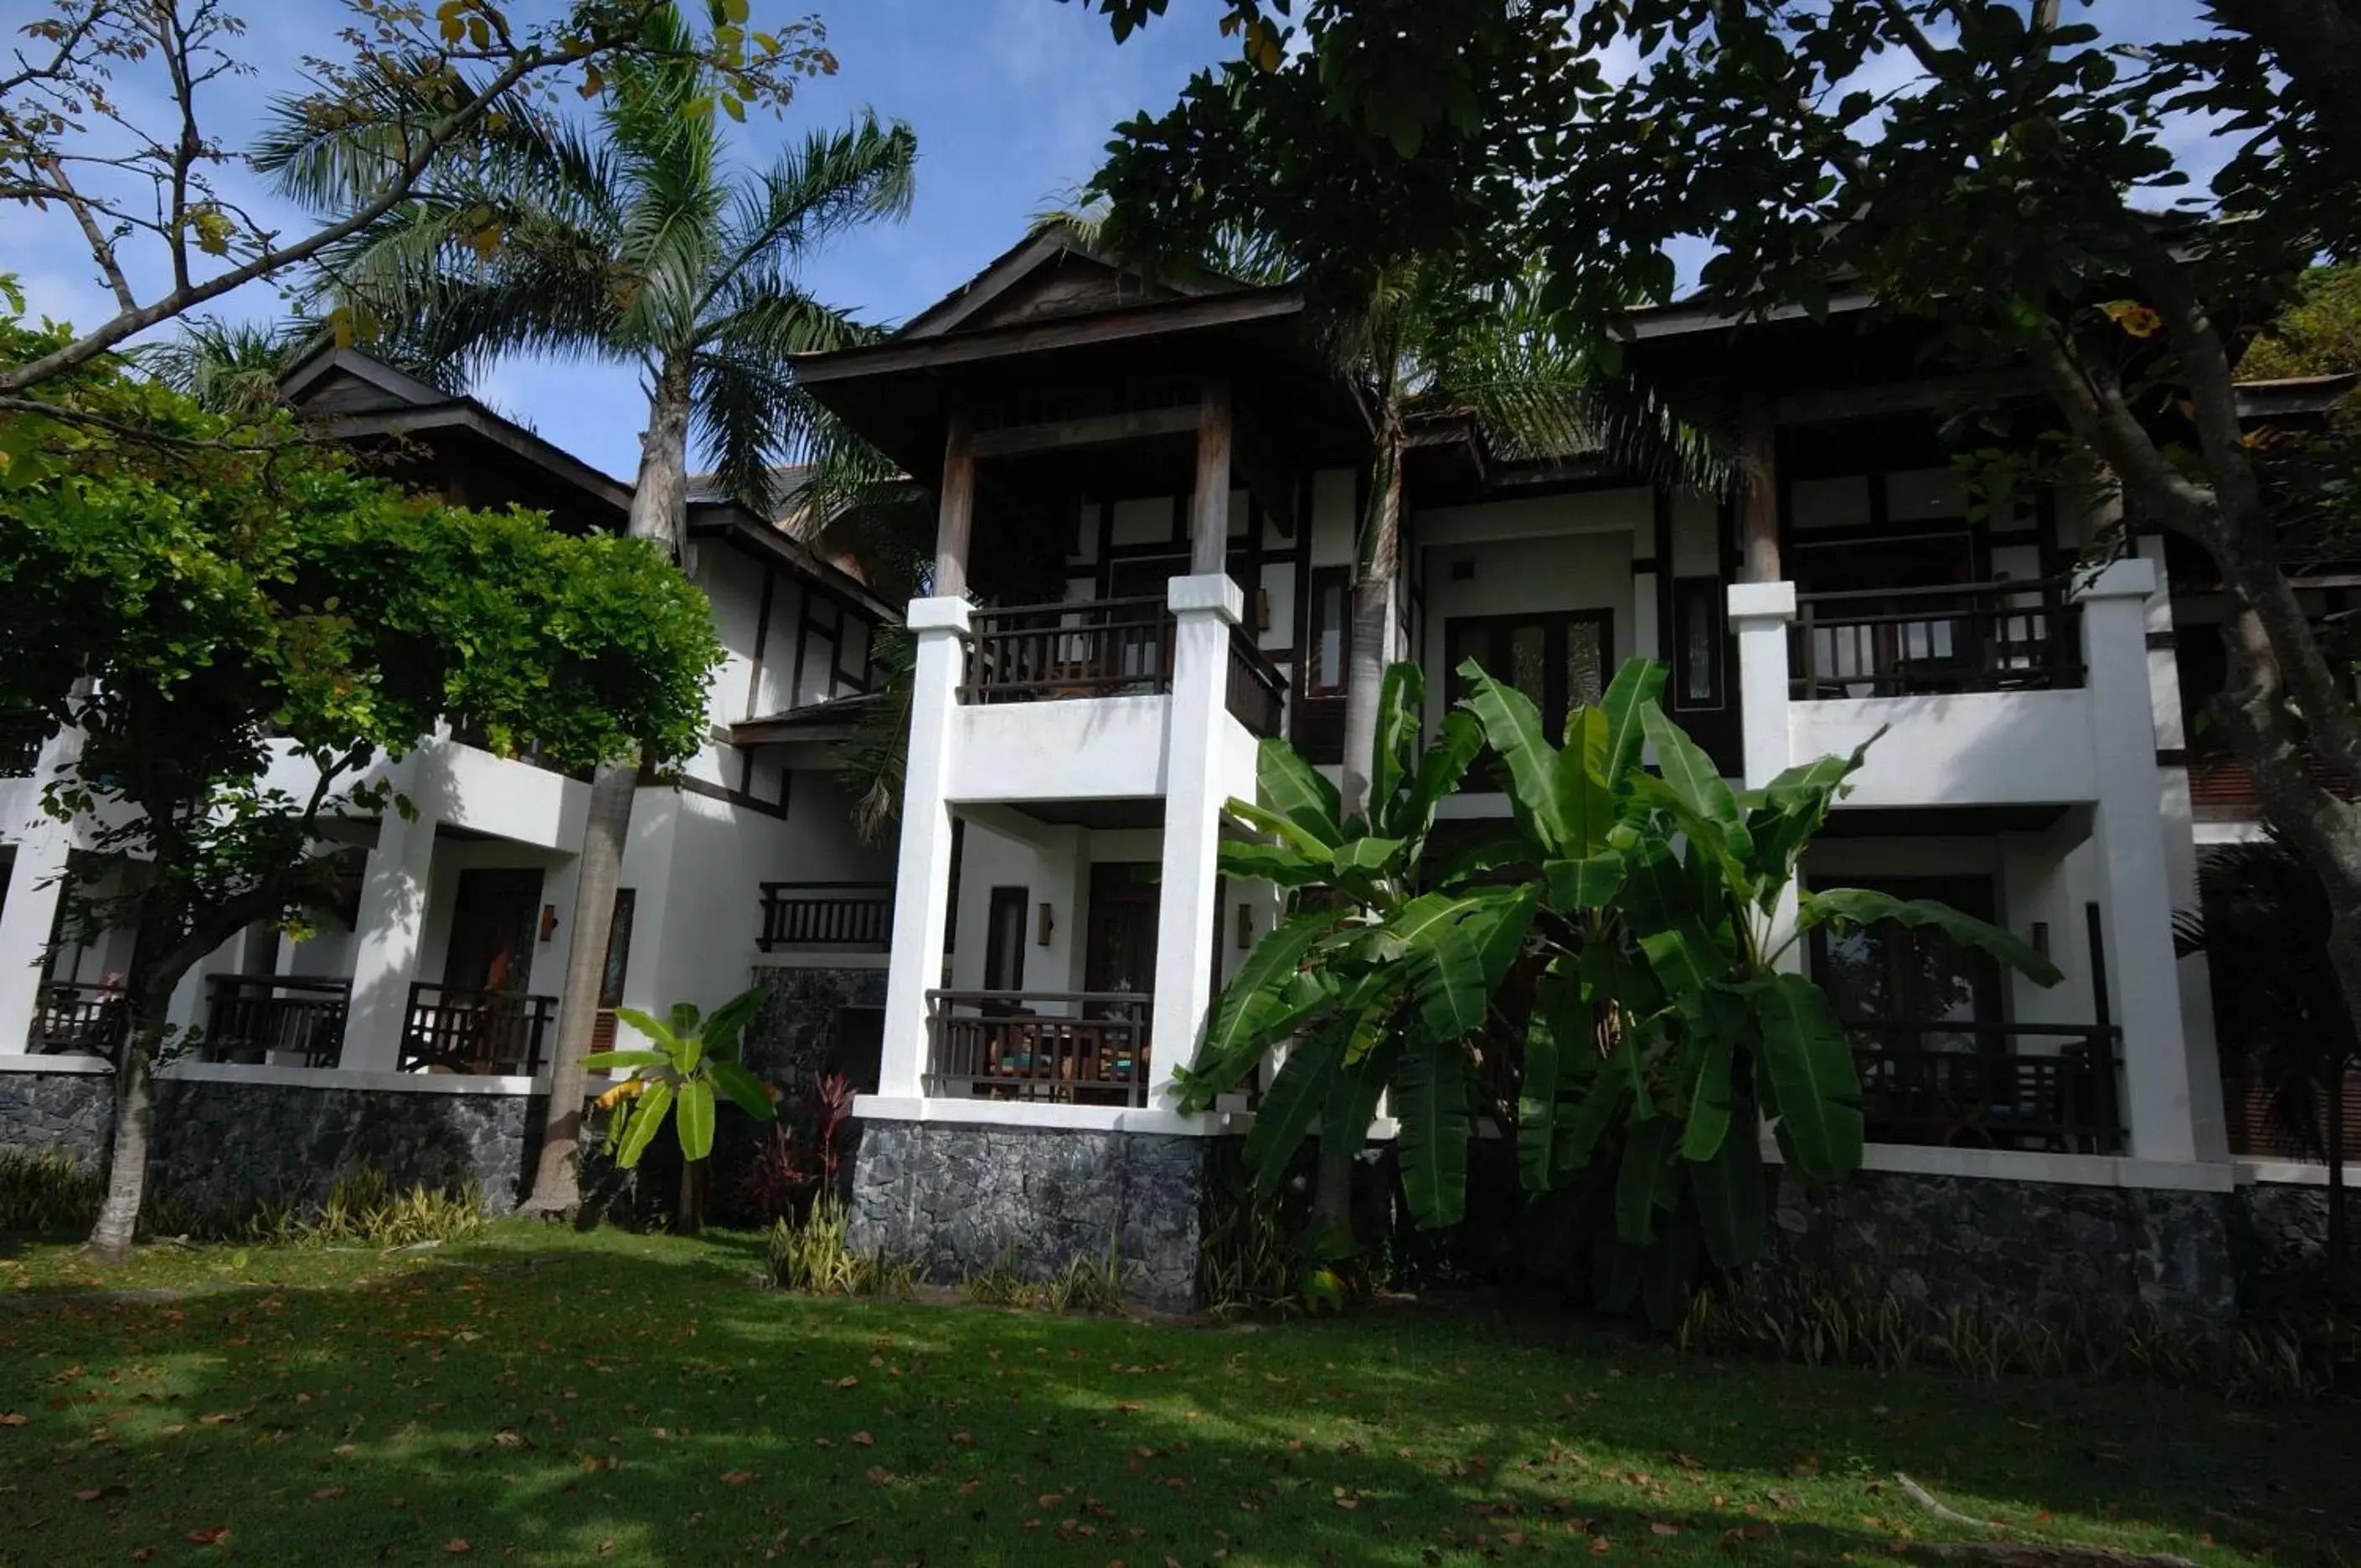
(1758, 497)
(955, 521)
(1209, 521)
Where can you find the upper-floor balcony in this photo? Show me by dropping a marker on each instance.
(1987, 694)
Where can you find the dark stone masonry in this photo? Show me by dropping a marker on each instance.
(69, 1111)
(801, 1035)
(956, 1199)
(222, 1148)
(2046, 1249)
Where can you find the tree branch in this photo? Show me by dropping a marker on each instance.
(102, 250)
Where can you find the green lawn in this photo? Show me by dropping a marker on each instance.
(545, 1397)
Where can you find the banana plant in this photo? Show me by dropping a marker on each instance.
(695, 1058)
(1667, 1023)
(1380, 975)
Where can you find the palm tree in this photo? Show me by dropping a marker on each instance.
(228, 368)
(632, 242)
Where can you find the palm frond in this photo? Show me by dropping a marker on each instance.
(834, 182)
(229, 368)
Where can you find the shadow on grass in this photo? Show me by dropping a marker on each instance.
(560, 1398)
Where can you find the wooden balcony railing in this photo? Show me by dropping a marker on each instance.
(1970, 1085)
(1002, 1044)
(74, 1017)
(249, 1018)
(1981, 637)
(826, 915)
(496, 1032)
(1257, 696)
(1086, 648)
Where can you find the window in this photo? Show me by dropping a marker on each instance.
(1328, 640)
(1004, 942)
(1557, 659)
(619, 948)
(1697, 641)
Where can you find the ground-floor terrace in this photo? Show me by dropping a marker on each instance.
(446, 951)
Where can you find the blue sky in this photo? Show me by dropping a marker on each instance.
(1011, 101)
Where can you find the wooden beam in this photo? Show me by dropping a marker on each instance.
(956, 521)
(991, 343)
(1898, 397)
(1267, 478)
(1097, 429)
(1758, 497)
(1209, 524)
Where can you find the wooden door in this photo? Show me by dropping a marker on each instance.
(1119, 952)
(493, 927)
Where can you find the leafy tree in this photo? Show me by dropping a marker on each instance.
(633, 243)
(2319, 335)
(1986, 166)
(1665, 1018)
(106, 105)
(2262, 932)
(694, 1059)
(236, 631)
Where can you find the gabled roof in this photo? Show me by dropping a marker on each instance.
(1054, 271)
(358, 397)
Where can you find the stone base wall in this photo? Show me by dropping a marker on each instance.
(73, 1113)
(959, 1200)
(795, 1040)
(221, 1148)
(2285, 1227)
(2042, 1249)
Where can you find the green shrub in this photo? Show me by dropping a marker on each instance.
(1002, 1285)
(1820, 1317)
(817, 1256)
(44, 1190)
(1086, 1284)
(363, 1210)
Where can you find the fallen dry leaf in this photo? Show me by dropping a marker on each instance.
(11, 1418)
(863, 1440)
(456, 1545)
(736, 1477)
(325, 1493)
(848, 1381)
(208, 1537)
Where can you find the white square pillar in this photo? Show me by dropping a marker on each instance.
(1760, 614)
(389, 933)
(2128, 828)
(922, 877)
(1204, 609)
(36, 883)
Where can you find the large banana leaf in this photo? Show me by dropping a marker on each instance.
(744, 1090)
(1430, 1103)
(1789, 813)
(1637, 684)
(1282, 865)
(1587, 884)
(1317, 847)
(727, 1022)
(675, 1048)
(1842, 907)
(1513, 727)
(1255, 1006)
(1556, 1028)
(1647, 1180)
(1808, 1058)
(696, 1112)
(1294, 1097)
(1457, 742)
(646, 1120)
(1586, 791)
(1402, 705)
(1710, 1101)
(1371, 857)
(1461, 947)
(1299, 792)
(1731, 1199)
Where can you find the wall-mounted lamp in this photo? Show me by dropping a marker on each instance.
(548, 921)
(1045, 921)
(1246, 925)
(1262, 609)
(2041, 937)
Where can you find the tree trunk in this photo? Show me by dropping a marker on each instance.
(2340, 1255)
(1365, 675)
(146, 996)
(659, 512)
(688, 1211)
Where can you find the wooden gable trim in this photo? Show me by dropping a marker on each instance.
(993, 343)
